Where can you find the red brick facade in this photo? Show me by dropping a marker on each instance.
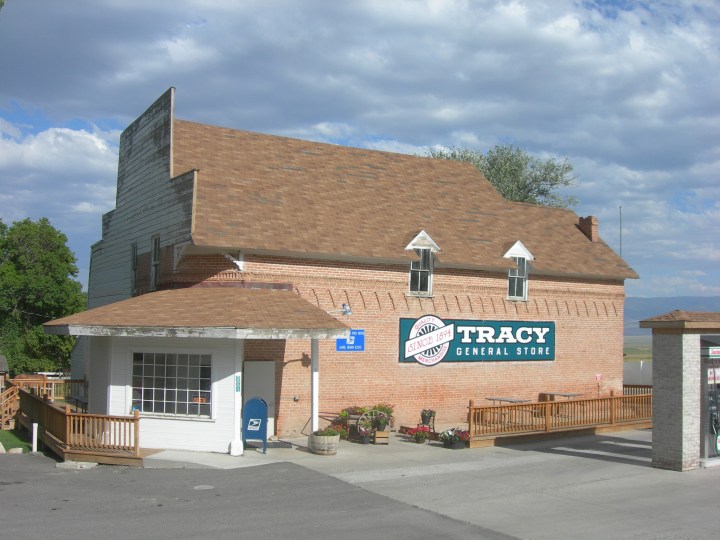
(588, 318)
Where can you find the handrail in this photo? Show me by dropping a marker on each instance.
(9, 404)
(53, 388)
(550, 416)
(84, 432)
(637, 389)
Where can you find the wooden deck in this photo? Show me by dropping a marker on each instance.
(113, 440)
(490, 424)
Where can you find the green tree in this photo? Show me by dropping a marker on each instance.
(517, 175)
(37, 284)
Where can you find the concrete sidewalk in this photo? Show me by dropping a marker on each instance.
(600, 486)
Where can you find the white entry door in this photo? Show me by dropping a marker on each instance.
(259, 381)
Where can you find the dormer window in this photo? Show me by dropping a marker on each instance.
(517, 280)
(421, 270)
(518, 276)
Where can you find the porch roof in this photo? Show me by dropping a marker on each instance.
(223, 312)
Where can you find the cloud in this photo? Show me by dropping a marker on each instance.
(63, 174)
(625, 90)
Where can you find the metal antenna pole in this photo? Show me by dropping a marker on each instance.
(621, 231)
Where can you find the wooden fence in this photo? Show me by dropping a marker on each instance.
(64, 389)
(637, 389)
(548, 416)
(67, 390)
(106, 439)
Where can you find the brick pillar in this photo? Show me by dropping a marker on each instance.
(676, 401)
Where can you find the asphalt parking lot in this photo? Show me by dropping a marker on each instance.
(598, 486)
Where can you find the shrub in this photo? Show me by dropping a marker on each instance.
(329, 431)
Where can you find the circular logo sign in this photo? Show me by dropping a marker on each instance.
(428, 348)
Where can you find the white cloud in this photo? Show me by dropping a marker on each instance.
(626, 91)
(63, 174)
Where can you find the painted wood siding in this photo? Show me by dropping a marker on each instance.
(149, 202)
(99, 375)
(178, 432)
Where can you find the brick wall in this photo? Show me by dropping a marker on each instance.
(589, 337)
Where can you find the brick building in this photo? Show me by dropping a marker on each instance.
(252, 255)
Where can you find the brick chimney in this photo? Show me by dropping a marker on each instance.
(589, 227)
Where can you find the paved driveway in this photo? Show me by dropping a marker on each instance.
(588, 487)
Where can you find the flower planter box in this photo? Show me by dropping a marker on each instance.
(382, 437)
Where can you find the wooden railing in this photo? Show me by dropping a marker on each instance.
(9, 403)
(84, 433)
(637, 389)
(549, 416)
(53, 388)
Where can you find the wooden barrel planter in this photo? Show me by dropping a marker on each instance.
(323, 445)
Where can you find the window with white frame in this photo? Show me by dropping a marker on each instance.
(172, 383)
(518, 276)
(421, 271)
(517, 279)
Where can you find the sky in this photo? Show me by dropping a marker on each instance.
(628, 92)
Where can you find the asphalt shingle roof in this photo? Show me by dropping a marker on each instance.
(683, 319)
(262, 310)
(277, 194)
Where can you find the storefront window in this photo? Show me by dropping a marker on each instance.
(169, 383)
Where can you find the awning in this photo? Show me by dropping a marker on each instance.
(222, 312)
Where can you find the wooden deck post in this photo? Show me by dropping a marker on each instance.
(136, 434)
(471, 419)
(68, 432)
(547, 415)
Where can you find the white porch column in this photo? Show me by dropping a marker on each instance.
(236, 446)
(314, 386)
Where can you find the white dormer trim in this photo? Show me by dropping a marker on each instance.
(423, 241)
(519, 250)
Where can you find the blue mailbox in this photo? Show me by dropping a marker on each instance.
(255, 419)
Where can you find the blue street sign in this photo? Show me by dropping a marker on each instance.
(353, 343)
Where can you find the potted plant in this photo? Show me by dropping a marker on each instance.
(365, 429)
(420, 433)
(324, 442)
(426, 416)
(382, 419)
(454, 438)
(387, 413)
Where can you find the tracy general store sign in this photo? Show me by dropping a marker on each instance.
(430, 340)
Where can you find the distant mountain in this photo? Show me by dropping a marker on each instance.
(638, 309)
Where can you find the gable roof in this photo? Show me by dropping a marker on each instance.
(684, 319)
(220, 312)
(271, 194)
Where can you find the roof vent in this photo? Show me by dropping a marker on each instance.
(589, 227)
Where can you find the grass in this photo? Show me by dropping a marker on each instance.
(14, 439)
(638, 348)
